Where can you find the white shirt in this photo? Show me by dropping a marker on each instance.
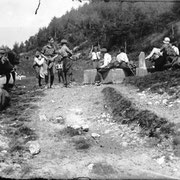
(107, 59)
(95, 55)
(39, 61)
(176, 50)
(122, 57)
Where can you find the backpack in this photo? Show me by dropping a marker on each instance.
(170, 51)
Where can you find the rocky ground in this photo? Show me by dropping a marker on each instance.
(89, 131)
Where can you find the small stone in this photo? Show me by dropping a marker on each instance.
(164, 101)
(4, 151)
(107, 131)
(85, 128)
(157, 102)
(149, 103)
(124, 144)
(34, 147)
(95, 135)
(75, 127)
(60, 120)
(103, 115)
(161, 160)
(90, 166)
(42, 117)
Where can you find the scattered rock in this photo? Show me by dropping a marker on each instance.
(107, 131)
(161, 160)
(95, 135)
(74, 130)
(34, 147)
(124, 144)
(90, 166)
(60, 120)
(85, 128)
(149, 103)
(75, 127)
(164, 101)
(42, 117)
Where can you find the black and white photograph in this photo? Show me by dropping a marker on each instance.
(90, 89)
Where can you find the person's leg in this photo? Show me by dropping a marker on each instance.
(47, 78)
(51, 70)
(59, 75)
(98, 78)
(39, 81)
(154, 51)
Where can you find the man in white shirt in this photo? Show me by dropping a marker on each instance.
(122, 62)
(122, 56)
(107, 58)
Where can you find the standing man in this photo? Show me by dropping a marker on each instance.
(66, 53)
(49, 53)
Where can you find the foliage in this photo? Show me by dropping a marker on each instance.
(111, 24)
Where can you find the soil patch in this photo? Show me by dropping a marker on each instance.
(126, 112)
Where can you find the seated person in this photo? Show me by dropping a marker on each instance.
(102, 70)
(164, 56)
(122, 62)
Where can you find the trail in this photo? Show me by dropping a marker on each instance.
(119, 152)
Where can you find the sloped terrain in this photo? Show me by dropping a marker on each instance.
(123, 137)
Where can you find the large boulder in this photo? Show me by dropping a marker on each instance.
(4, 99)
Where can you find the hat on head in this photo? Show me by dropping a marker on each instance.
(63, 41)
(166, 40)
(104, 50)
(2, 51)
(37, 53)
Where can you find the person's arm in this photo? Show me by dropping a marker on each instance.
(69, 51)
(126, 58)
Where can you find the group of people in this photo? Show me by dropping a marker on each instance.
(103, 62)
(52, 58)
(165, 57)
(8, 61)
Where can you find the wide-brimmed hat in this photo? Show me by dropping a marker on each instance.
(63, 41)
(104, 50)
(166, 40)
(2, 51)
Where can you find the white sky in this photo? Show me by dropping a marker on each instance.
(18, 20)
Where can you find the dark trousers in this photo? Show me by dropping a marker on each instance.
(101, 74)
(67, 71)
(60, 75)
(50, 74)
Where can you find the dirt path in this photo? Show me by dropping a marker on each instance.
(119, 152)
